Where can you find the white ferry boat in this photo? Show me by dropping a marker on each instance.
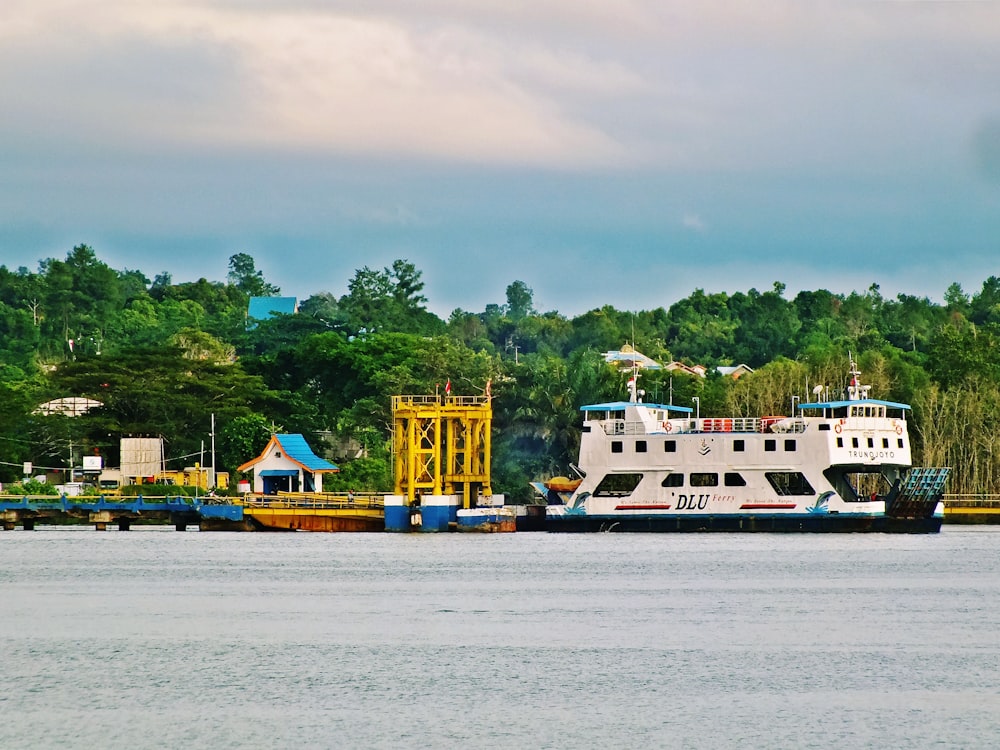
(833, 465)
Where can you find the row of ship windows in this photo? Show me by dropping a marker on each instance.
(783, 482)
(739, 446)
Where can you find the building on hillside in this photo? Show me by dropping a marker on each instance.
(697, 370)
(628, 358)
(735, 372)
(265, 308)
(288, 464)
(69, 406)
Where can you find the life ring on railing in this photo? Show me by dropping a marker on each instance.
(837, 428)
(667, 426)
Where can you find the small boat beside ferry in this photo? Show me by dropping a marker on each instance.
(832, 466)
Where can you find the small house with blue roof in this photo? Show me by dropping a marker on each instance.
(265, 308)
(288, 464)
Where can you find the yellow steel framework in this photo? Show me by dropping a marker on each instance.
(442, 447)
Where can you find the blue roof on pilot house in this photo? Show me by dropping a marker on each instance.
(298, 450)
(295, 449)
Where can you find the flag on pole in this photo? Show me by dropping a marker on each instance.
(447, 387)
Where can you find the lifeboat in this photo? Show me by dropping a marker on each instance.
(562, 484)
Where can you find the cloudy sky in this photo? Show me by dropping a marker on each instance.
(619, 152)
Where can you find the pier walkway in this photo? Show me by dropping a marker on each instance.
(285, 511)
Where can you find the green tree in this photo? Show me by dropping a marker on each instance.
(159, 391)
(702, 328)
(83, 296)
(985, 305)
(242, 439)
(768, 325)
(520, 301)
(388, 300)
(243, 274)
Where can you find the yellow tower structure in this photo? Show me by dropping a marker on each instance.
(442, 446)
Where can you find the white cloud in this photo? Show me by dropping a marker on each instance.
(306, 79)
(729, 85)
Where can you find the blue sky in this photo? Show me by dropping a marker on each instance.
(616, 152)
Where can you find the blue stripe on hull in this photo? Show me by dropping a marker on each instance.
(786, 522)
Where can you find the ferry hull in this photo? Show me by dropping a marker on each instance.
(789, 523)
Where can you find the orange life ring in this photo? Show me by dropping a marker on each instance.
(837, 428)
(899, 429)
(667, 426)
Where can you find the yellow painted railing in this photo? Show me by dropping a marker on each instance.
(314, 500)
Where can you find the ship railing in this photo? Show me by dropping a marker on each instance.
(621, 427)
(614, 427)
(727, 424)
(315, 500)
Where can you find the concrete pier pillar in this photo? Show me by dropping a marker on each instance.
(180, 526)
(124, 524)
(397, 513)
(29, 524)
(434, 512)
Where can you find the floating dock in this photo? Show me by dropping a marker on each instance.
(105, 511)
(972, 509)
(286, 512)
(313, 512)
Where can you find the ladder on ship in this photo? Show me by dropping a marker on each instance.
(919, 494)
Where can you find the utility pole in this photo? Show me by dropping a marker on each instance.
(214, 475)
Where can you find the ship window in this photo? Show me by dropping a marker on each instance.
(871, 442)
(771, 445)
(640, 446)
(789, 483)
(854, 442)
(734, 479)
(616, 446)
(673, 480)
(790, 446)
(840, 442)
(617, 485)
(900, 441)
(739, 446)
(669, 446)
(825, 427)
(703, 479)
(885, 442)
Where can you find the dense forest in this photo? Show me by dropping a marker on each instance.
(165, 358)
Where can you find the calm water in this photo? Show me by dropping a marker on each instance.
(154, 638)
